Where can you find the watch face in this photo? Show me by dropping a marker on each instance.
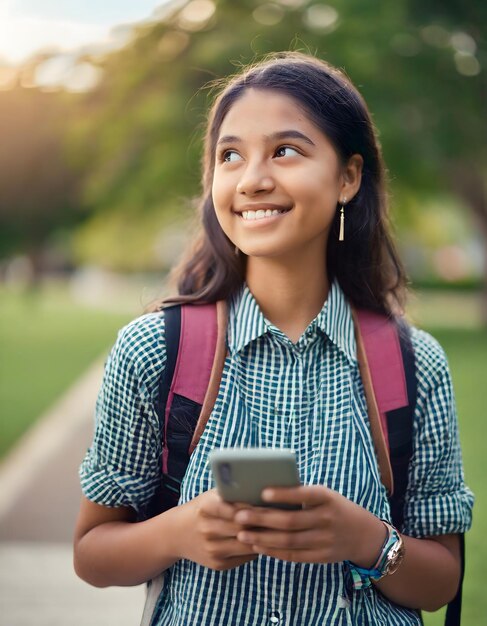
(395, 557)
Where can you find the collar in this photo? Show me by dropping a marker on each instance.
(336, 321)
(247, 322)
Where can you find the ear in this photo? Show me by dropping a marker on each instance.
(351, 177)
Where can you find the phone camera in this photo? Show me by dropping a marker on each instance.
(226, 473)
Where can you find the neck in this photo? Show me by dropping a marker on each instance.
(290, 293)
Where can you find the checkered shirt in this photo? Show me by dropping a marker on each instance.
(307, 396)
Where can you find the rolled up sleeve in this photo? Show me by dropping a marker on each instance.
(122, 467)
(437, 501)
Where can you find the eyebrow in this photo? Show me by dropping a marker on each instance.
(283, 134)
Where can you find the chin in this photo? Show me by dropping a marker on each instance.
(263, 252)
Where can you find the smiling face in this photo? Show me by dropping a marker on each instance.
(277, 178)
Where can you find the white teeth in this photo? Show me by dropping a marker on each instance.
(260, 214)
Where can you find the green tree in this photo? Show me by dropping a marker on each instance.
(452, 72)
(136, 138)
(37, 187)
(421, 69)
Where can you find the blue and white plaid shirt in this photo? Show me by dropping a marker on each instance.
(306, 396)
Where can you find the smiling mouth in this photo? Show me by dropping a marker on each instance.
(261, 214)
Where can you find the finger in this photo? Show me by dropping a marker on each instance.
(214, 506)
(306, 540)
(230, 548)
(218, 528)
(309, 495)
(277, 519)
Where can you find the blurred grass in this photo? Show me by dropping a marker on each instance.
(46, 342)
(445, 309)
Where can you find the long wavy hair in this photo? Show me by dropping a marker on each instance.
(366, 265)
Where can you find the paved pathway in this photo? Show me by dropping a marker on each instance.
(39, 499)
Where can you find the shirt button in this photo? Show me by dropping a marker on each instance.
(274, 618)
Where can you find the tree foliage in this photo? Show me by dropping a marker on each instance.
(147, 115)
(37, 188)
(135, 140)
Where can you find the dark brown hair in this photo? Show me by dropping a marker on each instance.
(366, 264)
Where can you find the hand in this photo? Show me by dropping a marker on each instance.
(207, 533)
(330, 528)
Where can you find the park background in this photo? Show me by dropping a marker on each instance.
(99, 167)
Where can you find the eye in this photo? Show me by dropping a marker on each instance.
(286, 151)
(229, 156)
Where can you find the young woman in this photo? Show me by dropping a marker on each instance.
(294, 215)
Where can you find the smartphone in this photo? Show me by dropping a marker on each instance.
(242, 474)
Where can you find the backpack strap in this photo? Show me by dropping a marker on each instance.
(454, 610)
(400, 423)
(196, 350)
(382, 371)
(387, 368)
(218, 361)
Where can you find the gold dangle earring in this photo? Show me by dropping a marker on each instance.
(341, 236)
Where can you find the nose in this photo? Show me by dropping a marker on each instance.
(254, 180)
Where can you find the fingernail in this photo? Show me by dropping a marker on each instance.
(267, 494)
(242, 517)
(244, 537)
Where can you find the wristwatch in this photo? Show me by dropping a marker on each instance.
(390, 558)
(391, 555)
